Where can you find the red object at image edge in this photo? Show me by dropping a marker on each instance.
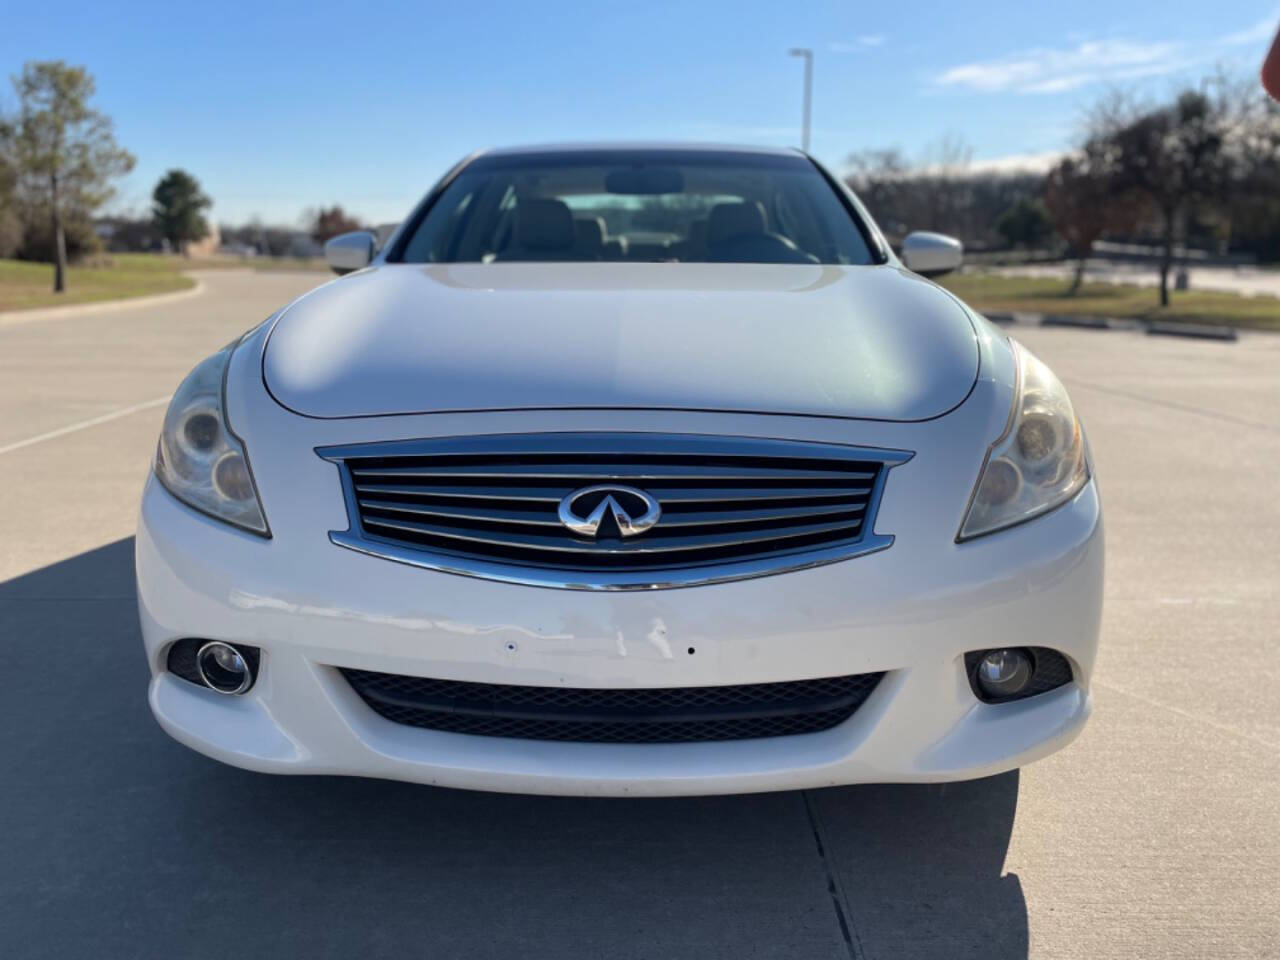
(1271, 69)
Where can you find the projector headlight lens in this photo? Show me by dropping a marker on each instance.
(1038, 463)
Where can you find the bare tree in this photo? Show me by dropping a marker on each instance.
(945, 186)
(1084, 203)
(1250, 215)
(883, 180)
(325, 223)
(1175, 158)
(942, 192)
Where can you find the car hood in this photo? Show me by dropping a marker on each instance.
(871, 342)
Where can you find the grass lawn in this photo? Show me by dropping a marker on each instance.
(117, 276)
(24, 285)
(317, 264)
(998, 294)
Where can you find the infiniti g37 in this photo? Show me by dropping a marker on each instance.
(624, 470)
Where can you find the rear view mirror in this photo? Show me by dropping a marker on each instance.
(932, 254)
(350, 251)
(645, 180)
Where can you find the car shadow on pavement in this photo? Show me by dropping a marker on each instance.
(120, 842)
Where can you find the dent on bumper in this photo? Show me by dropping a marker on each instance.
(314, 607)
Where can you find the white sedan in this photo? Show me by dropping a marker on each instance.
(624, 470)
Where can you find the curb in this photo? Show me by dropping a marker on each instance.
(1201, 331)
(1162, 328)
(14, 317)
(1065, 320)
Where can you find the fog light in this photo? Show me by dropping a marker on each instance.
(222, 668)
(1004, 673)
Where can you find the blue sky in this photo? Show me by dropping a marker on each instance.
(277, 107)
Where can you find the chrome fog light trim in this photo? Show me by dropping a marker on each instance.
(224, 669)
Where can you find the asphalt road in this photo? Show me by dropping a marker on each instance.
(1157, 834)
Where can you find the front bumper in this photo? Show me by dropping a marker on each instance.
(912, 611)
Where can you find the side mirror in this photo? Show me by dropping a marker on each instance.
(350, 251)
(932, 254)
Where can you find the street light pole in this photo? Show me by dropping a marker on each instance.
(807, 54)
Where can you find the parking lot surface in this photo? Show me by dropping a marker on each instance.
(1154, 835)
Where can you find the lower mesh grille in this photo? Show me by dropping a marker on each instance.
(652, 715)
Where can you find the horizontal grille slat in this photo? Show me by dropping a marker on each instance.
(638, 547)
(722, 502)
(492, 515)
(674, 495)
(707, 518)
(622, 472)
(641, 715)
(771, 514)
(469, 493)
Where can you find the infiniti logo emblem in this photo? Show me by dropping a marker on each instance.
(585, 510)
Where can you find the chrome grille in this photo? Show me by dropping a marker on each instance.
(730, 507)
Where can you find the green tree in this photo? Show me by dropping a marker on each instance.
(10, 224)
(179, 209)
(65, 149)
(1025, 224)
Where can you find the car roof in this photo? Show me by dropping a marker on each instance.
(672, 146)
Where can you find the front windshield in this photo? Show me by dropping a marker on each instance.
(634, 205)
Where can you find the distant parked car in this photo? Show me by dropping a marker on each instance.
(624, 470)
(238, 250)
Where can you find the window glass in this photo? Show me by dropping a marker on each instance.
(639, 206)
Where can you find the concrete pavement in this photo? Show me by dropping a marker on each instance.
(1154, 835)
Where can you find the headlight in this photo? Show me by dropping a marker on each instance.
(199, 460)
(1038, 463)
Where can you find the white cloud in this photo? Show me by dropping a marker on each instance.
(1260, 32)
(1019, 162)
(1057, 70)
(860, 43)
(1045, 70)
